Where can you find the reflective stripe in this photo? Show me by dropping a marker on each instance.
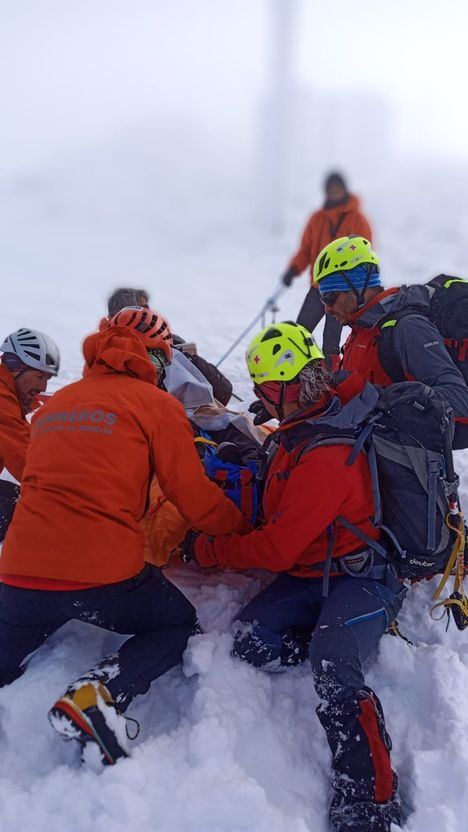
(448, 283)
(367, 617)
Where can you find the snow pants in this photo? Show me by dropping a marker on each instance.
(290, 621)
(311, 313)
(160, 617)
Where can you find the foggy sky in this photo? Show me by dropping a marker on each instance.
(71, 72)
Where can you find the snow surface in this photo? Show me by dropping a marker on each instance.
(223, 747)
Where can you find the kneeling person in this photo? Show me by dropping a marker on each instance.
(93, 452)
(332, 600)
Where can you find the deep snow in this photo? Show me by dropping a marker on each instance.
(223, 747)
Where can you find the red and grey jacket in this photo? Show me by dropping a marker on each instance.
(305, 491)
(416, 344)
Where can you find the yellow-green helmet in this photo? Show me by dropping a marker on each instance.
(343, 254)
(280, 351)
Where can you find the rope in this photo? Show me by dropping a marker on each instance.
(457, 602)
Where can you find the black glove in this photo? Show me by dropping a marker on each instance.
(187, 546)
(261, 413)
(288, 277)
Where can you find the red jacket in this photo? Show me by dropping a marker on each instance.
(301, 500)
(361, 350)
(14, 429)
(94, 448)
(326, 225)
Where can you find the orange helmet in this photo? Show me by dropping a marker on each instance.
(150, 326)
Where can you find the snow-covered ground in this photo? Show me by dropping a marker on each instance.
(223, 747)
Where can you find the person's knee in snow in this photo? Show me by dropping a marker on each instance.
(308, 484)
(102, 438)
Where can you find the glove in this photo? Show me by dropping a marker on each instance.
(198, 547)
(187, 547)
(261, 413)
(204, 551)
(288, 277)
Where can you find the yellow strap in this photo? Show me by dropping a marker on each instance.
(457, 557)
(203, 441)
(458, 546)
(450, 602)
(394, 628)
(461, 560)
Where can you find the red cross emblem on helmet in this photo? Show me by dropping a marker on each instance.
(353, 248)
(256, 359)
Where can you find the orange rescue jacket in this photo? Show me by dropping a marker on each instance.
(14, 429)
(326, 225)
(94, 448)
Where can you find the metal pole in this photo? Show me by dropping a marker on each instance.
(269, 305)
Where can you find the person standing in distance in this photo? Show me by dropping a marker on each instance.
(340, 215)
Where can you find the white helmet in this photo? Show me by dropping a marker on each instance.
(34, 349)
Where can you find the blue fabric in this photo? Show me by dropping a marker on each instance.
(238, 481)
(148, 605)
(342, 629)
(357, 276)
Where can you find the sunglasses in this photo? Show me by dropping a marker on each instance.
(329, 298)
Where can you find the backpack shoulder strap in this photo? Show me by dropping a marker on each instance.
(386, 342)
(323, 442)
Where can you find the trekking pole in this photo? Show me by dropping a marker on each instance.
(270, 305)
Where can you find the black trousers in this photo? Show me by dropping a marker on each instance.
(311, 313)
(151, 608)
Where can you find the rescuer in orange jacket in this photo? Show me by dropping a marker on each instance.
(29, 360)
(339, 215)
(76, 538)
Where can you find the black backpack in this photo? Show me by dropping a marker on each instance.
(407, 438)
(449, 313)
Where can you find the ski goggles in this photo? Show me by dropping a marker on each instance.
(330, 298)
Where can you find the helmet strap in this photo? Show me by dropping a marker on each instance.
(280, 406)
(370, 271)
(359, 295)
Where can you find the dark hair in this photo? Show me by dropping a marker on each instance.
(126, 297)
(335, 178)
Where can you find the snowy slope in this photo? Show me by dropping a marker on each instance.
(223, 747)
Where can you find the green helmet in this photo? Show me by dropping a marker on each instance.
(342, 255)
(280, 351)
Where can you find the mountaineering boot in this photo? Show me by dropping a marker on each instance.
(364, 783)
(363, 817)
(88, 714)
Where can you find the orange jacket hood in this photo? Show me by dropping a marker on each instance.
(118, 350)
